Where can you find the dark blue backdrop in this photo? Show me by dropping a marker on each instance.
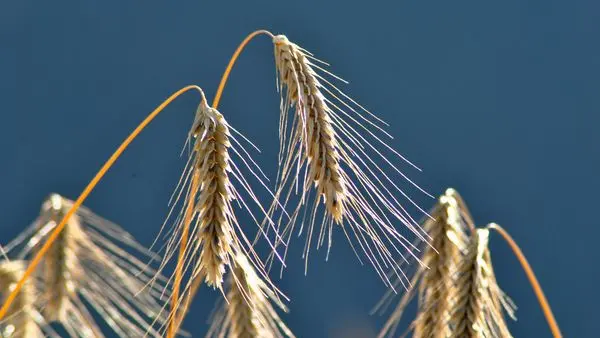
(497, 100)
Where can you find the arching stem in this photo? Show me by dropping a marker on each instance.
(232, 61)
(532, 279)
(88, 189)
(189, 212)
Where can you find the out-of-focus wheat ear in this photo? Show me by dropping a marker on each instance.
(331, 142)
(93, 264)
(434, 280)
(477, 310)
(19, 321)
(60, 266)
(249, 311)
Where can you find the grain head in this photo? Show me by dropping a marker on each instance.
(61, 267)
(434, 281)
(478, 304)
(92, 264)
(207, 192)
(332, 143)
(215, 233)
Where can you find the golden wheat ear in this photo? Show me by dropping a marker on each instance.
(93, 265)
(332, 143)
(207, 233)
(22, 320)
(249, 311)
(434, 280)
(478, 305)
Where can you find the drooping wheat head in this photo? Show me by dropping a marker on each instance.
(249, 311)
(207, 213)
(478, 305)
(215, 233)
(434, 280)
(331, 142)
(22, 320)
(92, 262)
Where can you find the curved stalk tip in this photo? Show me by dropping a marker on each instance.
(532, 279)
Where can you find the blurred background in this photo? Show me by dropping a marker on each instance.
(499, 101)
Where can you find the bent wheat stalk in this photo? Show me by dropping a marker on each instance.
(249, 312)
(92, 262)
(539, 293)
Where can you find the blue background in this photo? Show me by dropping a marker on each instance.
(497, 100)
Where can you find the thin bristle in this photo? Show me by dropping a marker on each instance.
(18, 322)
(477, 308)
(249, 312)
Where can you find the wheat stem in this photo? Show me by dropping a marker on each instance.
(85, 193)
(173, 322)
(232, 61)
(539, 292)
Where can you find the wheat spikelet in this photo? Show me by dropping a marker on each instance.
(249, 312)
(434, 280)
(477, 307)
(328, 143)
(90, 263)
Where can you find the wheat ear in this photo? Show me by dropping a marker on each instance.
(434, 280)
(331, 143)
(215, 232)
(315, 129)
(249, 312)
(449, 238)
(207, 213)
(477, 309)
(19, 321)
(61, 266)
(92, 264)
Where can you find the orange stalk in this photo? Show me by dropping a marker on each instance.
(189, 212)
(532, 279)
(232, 61)
(88, 189)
